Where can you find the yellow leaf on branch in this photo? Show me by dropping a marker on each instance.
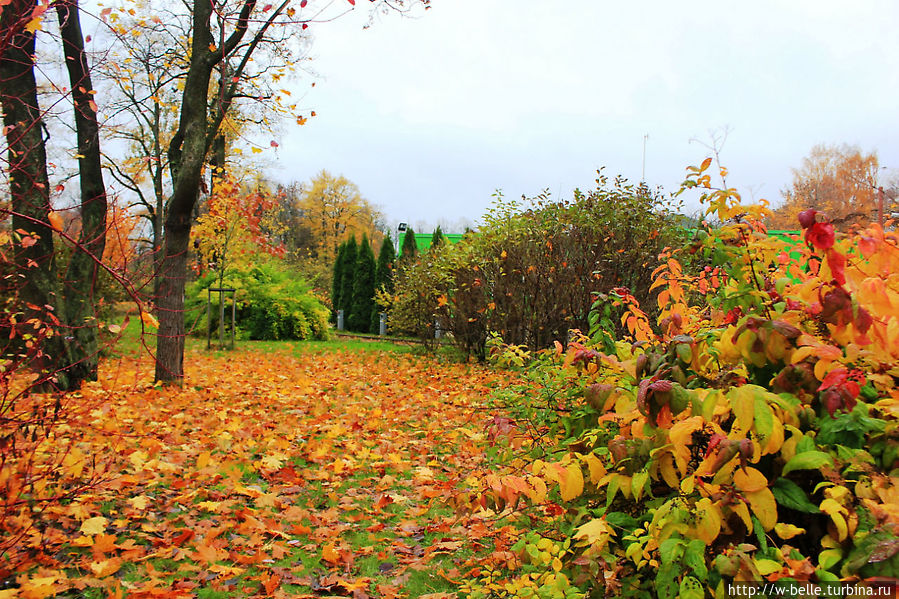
(595, 533)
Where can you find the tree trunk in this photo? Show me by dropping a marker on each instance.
(81, 275)
(29, 185)
(156, 171)
(187, 153)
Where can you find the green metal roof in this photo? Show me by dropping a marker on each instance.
(423, 240)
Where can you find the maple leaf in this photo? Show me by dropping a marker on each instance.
(107, 567)
(330, 554)
(273, 461)
(94, 526)
(208, 553)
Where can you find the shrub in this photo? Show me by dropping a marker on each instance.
(412, 307)
(272, 304)
(751, 436)
(532, 270)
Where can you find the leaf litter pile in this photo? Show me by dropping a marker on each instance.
(269, 475)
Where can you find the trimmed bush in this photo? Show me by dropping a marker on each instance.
(272, 304)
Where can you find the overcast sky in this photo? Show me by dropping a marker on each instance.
(430, 115)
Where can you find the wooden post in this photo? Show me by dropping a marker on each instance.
(233, 316)
(208, 318)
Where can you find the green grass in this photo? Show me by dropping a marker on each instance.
(132, 340)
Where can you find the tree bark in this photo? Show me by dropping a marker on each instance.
(81, 275)
(29, 185)
(187, 154)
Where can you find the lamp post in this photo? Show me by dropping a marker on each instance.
(879, 196)
(400, 228)
(643, 172)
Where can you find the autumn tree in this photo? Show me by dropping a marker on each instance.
(237, 225)
(840, 181)
(335, 210)
(297, 235)
(238, 30)
(363, 302)
(144, 68)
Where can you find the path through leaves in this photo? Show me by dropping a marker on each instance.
(271, 475)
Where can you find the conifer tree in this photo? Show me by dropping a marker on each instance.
(437, 239)
(383, 278)
(363, 289)
(409, 249)
(347, 278)
(337, 281)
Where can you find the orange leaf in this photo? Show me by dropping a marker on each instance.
(55, 221)
(106, 567)
(330, 555)
(209, 554)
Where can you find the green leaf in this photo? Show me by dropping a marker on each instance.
(829, 558)
(824, 576)
(612, 490)
(638, 484)
(809, 460)
(759, 531)
(790, 495)
(622, 520)
(805, 444)
(671, 550)
(690, 588)
(694, 557)
(684, 352)
(764, 418)
(664, 583)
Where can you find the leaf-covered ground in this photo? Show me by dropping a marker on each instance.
(272, 474)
